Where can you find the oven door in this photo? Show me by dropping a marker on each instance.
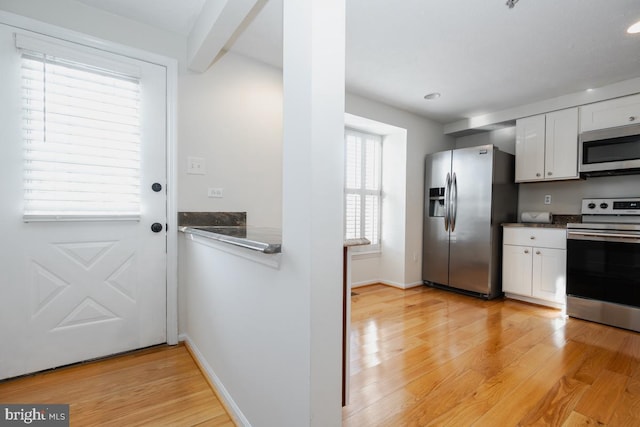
(604, 266)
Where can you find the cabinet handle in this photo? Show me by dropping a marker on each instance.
(526, 251)
(538, 174)
(632, 118)
(532, 238)
(537, 252)
(549, 173)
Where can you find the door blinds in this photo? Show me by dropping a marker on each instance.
(81, 136)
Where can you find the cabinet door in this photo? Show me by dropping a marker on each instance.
(516, 269)
(530, 148)
(561, 145)
(607, 114)
(549, 274)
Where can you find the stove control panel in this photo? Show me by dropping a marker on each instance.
(628, 206)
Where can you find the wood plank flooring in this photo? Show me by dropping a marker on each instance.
(160, 386)
(425, 357)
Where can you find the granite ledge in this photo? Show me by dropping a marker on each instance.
(261, 239)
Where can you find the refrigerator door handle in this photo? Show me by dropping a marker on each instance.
(454, 202)
(447, 200)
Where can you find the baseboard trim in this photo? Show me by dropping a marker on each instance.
(214, 382)
(365, 283)
(386, 283)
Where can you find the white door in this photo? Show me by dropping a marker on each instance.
(530, 148)
(76, 284)
(549, 274)
(516, 269)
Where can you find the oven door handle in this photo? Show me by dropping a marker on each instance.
(605, 237)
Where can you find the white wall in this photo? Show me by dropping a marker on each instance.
(231, 115)
(423, 136)
(504, 139)
(394, 208)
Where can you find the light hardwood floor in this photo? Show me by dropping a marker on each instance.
(160, 386)
(419, 357)
(428, 357)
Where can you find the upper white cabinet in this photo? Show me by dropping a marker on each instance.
(607, 114)
(547, 146)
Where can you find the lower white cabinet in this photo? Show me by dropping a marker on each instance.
(534, 262)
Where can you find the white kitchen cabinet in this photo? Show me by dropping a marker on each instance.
(547, 146)
(534, 265)
(607, 114)
(530, 138)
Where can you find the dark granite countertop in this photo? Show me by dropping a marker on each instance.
(533, 224)
(558, 221)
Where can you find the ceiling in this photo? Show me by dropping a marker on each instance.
(480, 55)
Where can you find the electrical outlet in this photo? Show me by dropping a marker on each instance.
(196, 166)
(216, 193)
(547, 199)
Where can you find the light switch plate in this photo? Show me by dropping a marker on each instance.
(196, 166)
(216, 193)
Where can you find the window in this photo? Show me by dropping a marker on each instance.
(363, 192)
(81, 136)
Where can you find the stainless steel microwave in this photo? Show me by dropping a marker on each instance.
(613, 151)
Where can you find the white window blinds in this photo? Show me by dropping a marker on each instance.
(81, 135)
(363, 192)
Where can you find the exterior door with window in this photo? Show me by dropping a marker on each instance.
(83, 142)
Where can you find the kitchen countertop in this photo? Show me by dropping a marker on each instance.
(533, 224)
(558, 221)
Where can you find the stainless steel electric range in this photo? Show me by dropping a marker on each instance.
(603, 263)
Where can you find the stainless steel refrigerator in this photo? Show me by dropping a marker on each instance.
(469, 192)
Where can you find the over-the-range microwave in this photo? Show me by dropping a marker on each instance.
(613, 151)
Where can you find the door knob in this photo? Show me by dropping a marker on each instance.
(156, 227)
(156, 186)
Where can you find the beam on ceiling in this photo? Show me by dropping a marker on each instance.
(218, 25)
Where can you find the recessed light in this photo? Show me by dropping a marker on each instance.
(433, 95)
(590, 89)
(634, 29)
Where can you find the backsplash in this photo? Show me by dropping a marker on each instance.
(566, 196)
(212, 218)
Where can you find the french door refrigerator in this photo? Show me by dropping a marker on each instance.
(469, 193)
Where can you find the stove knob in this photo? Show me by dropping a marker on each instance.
(591, 205)
(604, 205)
